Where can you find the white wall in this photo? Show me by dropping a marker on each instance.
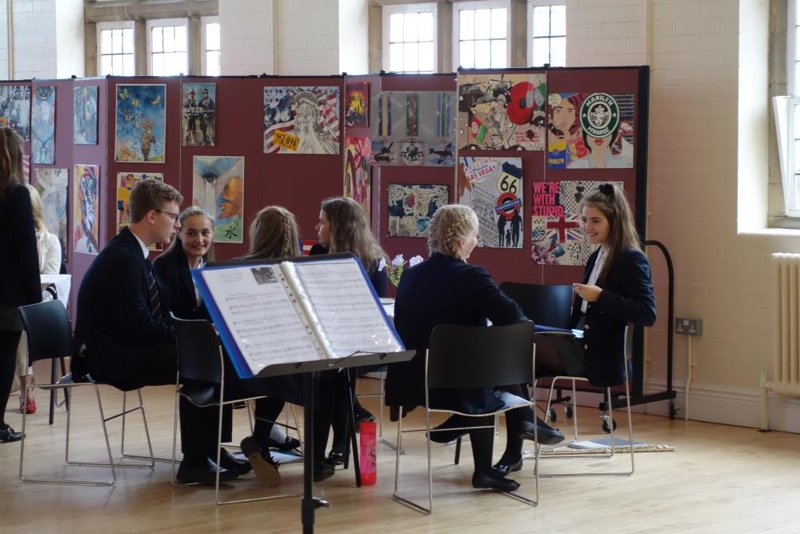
(34, 39)
(308, 37)
(247, 36)
(69, 36)
(354, 36)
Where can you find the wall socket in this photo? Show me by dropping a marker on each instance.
(690, 326)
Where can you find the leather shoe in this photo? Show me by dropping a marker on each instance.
(232, 463)
(323, 470)
(288, 444)
(265, 468)
(547, 435)
(336, 457)
(443, 435)
(493, 481)
(202, 471)
(505, 467)
(8, 434)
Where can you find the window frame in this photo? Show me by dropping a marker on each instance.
(154, 23)
(540, 3)
(204, 21)
(117, 25)
(786, 129)
(421, 7)
(458, 7)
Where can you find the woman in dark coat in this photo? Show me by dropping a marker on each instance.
(19, 270)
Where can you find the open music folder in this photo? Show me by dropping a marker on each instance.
(293, 311)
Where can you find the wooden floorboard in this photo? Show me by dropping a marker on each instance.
(718, 479)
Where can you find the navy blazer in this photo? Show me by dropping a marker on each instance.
(19, 270)
(172, 268)
(627, 298)
(114, 318)
(443, 290)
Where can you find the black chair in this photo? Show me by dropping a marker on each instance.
(201, 371)
(50, 338)
(549, 305)
(473, 357)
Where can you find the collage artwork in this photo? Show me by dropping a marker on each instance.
(84, 115)
(198, 120)
(301, 120)
(218, 187)
(52, 187)
(125, 183)
(412, 206)
(86, 217)
(141, 114)
(356, 170)
(15, 109)
(43, 125)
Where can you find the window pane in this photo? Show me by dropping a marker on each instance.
(157, 39)
(180, 38)
(396, 27)
(796, 159)
(482, 54)
(425, 26)
(116, 64)
(158, 64)
(499, 53)
(558, 52)
(105, 41)
(169, 39)
(558, 20)
(396, 57)
(498, 24)
(541, 21)
(541, 52)
(128, 69)
(116, 41)
(796, 77)
(426, 57)
(212, 36)
(212, 63)
(466, 54)
(127, 41)
(466, 25)
(482, 23)
(105, 65)
(411, 57)
(796, 122)
(410, 27)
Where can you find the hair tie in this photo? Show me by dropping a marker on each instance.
(607, 190)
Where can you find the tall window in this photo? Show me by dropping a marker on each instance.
(548, 23)
(211, 46)
(481, 29)
(787, 117)
(115, 49)
(168, 47)
(409, 38)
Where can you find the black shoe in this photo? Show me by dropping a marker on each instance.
(265, 468)
(362, 414)
(443, 435)
(8, 434)
(505, 467)
(288, 444)
(323, 470)
(336, 457)
(232, 463)
(493, 480)
(547, 435)
(202, 471)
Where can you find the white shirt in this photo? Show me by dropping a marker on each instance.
(596, 270)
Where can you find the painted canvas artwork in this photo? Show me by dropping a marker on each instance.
(15, 109)
(84, 115)
(356, 113)
(218, 186)
(125, 183)
(590, 131)
(301, 120)
(52, 187)
(140, 132)
(556, 235)
(413, 128)
(356, 171)
(412, 206)
(86, 209)
(493, 188)
(198, 121)
(501, 111)
(43, 125)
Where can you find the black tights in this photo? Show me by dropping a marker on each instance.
(9, 339)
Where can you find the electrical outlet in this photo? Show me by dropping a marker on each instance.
(690, 326)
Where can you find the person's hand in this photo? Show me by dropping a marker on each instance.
(587, 292)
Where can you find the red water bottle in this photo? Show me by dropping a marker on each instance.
(367, 460)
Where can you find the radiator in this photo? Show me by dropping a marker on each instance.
(786, 328)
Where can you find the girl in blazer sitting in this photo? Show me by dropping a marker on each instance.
(616, 291)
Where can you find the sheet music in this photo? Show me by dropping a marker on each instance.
(260, 316)
(350, 316)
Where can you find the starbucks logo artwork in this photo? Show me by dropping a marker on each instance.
(599, 115)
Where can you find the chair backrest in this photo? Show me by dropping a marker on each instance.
(480, 356)
(549, 305)
(198, 350)
(48, 329)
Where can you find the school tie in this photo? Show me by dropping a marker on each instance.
(152, 287)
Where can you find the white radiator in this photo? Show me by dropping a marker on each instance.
(786, 328)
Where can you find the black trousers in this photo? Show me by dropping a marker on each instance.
(9, 339)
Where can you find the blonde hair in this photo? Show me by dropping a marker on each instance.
(274, 234)
(350, 231)
(38, 208)
(10, 159)
(448, 225)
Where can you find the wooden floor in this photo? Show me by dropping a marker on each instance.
(718, 479)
